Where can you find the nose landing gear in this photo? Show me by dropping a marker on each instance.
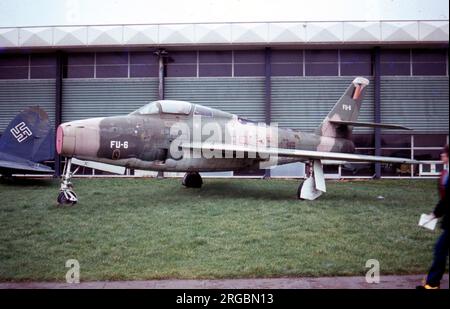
(66, 194)
(192, 180)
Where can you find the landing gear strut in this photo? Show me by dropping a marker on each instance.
(66, 194)
(192, 180)
(314, 185)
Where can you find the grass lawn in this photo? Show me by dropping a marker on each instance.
(156, 228)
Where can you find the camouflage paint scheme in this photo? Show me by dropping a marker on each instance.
(142, 140)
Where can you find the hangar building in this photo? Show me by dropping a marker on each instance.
(290, 73)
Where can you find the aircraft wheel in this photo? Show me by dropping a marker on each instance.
(192, 180)
(62, 199)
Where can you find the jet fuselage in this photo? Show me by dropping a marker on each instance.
(143, 141)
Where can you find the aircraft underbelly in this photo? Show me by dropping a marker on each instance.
(182, 165)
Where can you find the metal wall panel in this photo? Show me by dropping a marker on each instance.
(16, 95)
(303, 102)
(86, 98)
(420, 103)
(239, 95)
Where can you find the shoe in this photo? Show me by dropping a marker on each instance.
(427, 287)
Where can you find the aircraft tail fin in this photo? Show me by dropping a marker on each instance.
(346, 109)
(29, 136)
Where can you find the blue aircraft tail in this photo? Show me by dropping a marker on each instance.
(29, 136)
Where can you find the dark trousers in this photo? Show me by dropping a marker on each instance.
(439, 261)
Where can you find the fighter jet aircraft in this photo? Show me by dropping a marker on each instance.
(180, 136)
(27, 140)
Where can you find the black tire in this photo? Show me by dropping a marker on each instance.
(192, 180)
(62, 200)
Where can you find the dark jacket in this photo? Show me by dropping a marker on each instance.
(441, 209)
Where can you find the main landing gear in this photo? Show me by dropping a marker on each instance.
(314, 185)
(66, 194)
(192, 180)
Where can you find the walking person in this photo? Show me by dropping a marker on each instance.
(441, 249)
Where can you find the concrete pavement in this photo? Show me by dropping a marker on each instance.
(386, 282)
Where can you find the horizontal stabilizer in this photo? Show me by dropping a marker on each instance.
(369, 124)
(23, 167)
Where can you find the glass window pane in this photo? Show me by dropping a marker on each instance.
(249, 69)
(321, 56)
(249, 56)
(430, 140)
(203, 111)
(105, 71)
(286, 56)
(429, 68)
(394, 55)
(79, 71)
(175, 107)
(356, 55)
(181, 70)
(357, 169)
(143, 58)
(177, 57)
(13, 72)
(395, 68)
(209, 70)
(351, 69)
(112, 58)
(80, 59)
(149, 109)
(363, 140)
(215, 57)
(287, 69)
(321, 69)
(144, 70)
(10, 60)
(43, 59)
(43, 72)
(427, 155)
(396, 169)
(396, 140)
(429, 55)
(395, 61)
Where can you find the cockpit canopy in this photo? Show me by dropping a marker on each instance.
(165, 107)
(174, 107)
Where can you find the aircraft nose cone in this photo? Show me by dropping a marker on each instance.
(80, 138)
(65, 140)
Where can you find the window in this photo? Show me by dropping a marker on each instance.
(203, 111)
(143, 64)
(215, 63)
(14, 66)
(395, 62)
(111, 65)
(287, 62)
(182, 64)
(80, 65)
(249, 63)
(429, 61)
(42, 66)
(148, 109)
(34, 66)
(356, 62)
(175, 107)
(321, 62)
